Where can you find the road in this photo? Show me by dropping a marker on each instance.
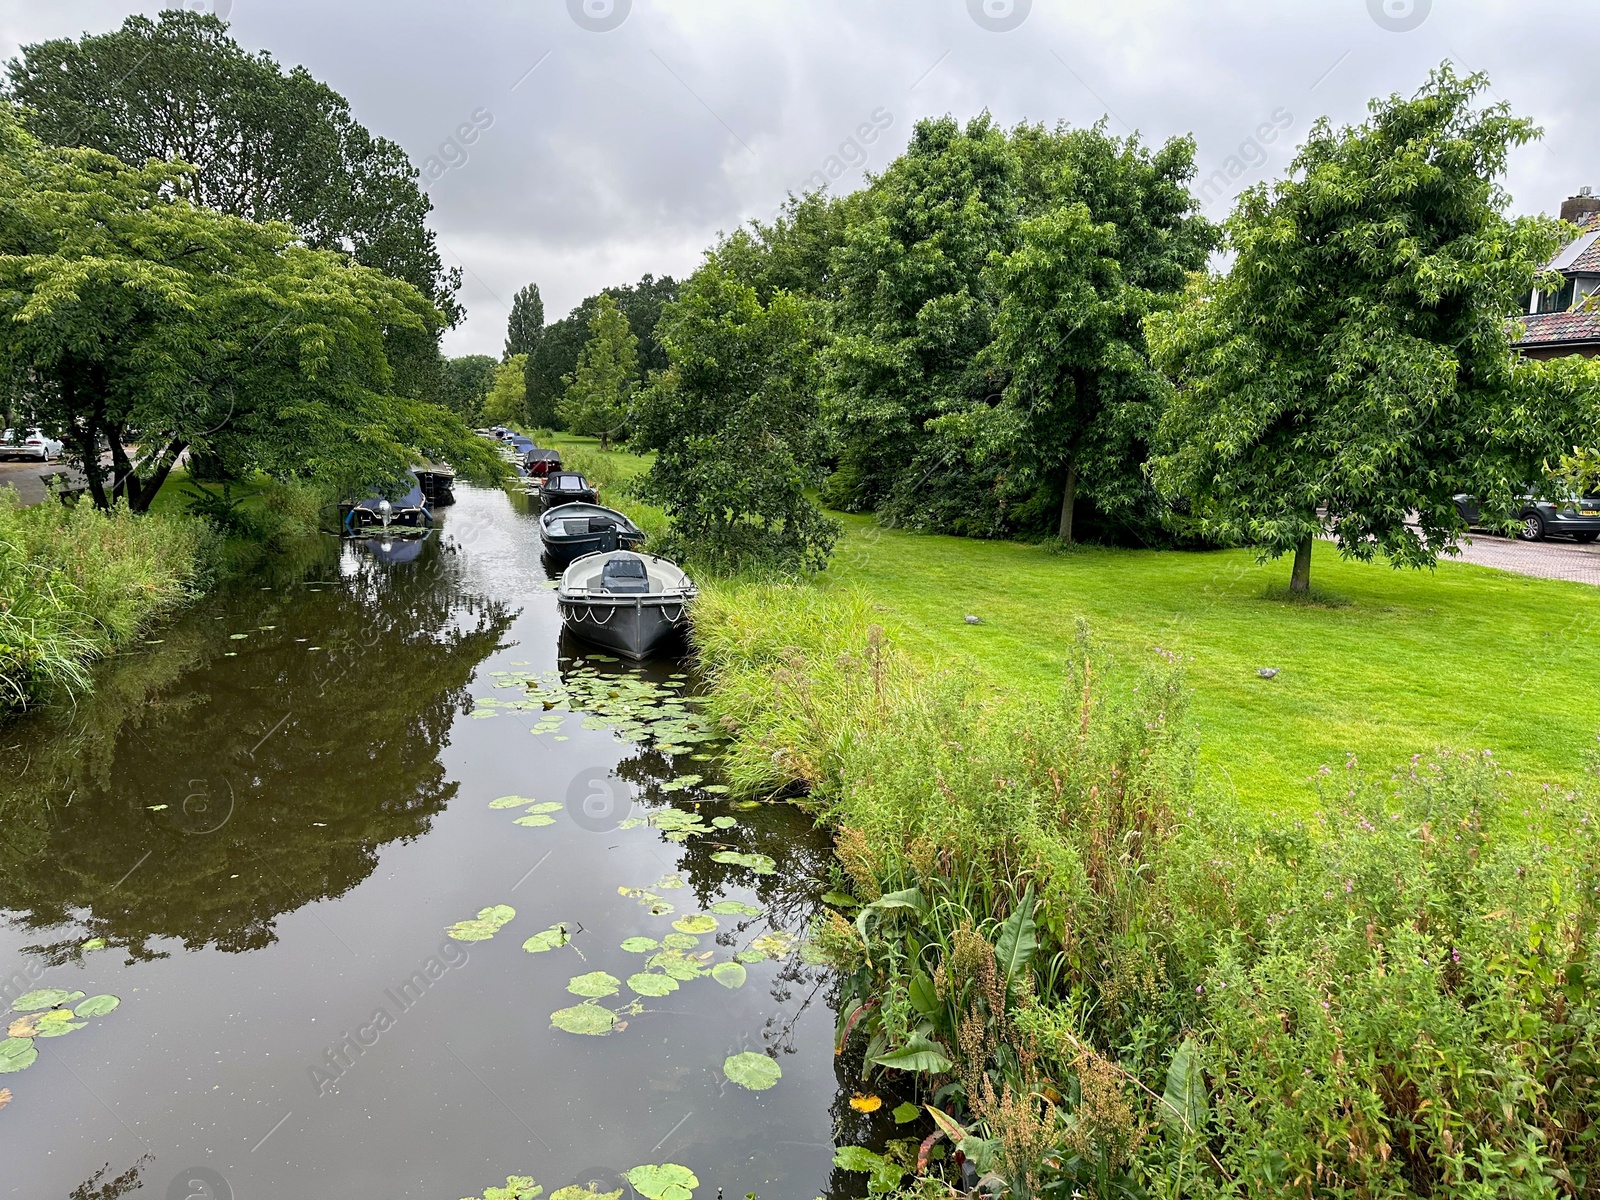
(25, 477)
(1542, 560)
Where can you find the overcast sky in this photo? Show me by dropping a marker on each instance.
(602, 153)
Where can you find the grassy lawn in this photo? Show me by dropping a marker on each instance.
(1465, 656)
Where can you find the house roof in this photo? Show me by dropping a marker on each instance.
(1561, 328)
(1587, 260)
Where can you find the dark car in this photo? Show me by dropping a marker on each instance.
(1538, 518)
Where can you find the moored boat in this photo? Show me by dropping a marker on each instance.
(569, 531)
(437, 482)
(410, 514)
(567, 487)
(631, 603)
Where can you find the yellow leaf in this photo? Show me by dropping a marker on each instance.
(866, 1103)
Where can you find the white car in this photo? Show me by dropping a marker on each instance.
(29, 444)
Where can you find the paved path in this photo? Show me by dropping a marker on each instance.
(1543, 560)
(25, 477)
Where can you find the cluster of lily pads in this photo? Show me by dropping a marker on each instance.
(47, 1013)
(635, 709)
(536, 812)
(663, 1181)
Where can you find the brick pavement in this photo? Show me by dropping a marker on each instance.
(1542, 560)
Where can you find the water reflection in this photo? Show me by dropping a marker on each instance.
(214, 783)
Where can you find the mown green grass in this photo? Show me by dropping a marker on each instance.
(1462, 656)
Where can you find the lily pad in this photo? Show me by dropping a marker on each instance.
(535, 820)
(485, 926)
(96, 1006)
(774, 945)
(44, 998)
(723, 822)
(640, 945)
(729, 974)
(95, 943)
(730, 908)
(659, 908)
(695, 923)
(546, 806)
(716, 789)
(669, 1181)
(669, 883)
(675, 964)
(648, 983)
(759, 863)
(680, 941)
(866, 1103)
(756, 1072)
(551, 939)
(16, 1054)
(510, 801)
(577, 1191)
(906, 1113)
(630, 822)
(594, 985)
(50, 1029)
(590, 1019)
(750, 956)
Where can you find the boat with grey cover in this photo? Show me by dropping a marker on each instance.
(631, 603)
(569, 531)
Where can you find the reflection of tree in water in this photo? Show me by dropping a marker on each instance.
(98, 1187)
(215, 783)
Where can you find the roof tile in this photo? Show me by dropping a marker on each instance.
(1574, 325)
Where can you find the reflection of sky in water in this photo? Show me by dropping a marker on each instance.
(254, 956)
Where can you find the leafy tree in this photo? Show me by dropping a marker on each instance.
(556, 356)
(129, 314)
(735, 426)
(1354, 366)
(1082, 400)
(466, 384)
(598, 394)
(264, 144)
(504, 404)
(526, 324)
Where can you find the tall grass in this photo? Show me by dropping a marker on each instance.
(76, 583)
(1114, 987)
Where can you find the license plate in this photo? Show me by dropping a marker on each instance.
(1591, 512)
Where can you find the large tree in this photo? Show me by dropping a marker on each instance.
(526, 324)
(130, 315)
(264, 144)
(1353, 369)
(735, 426)
(600, 391)
(504, 403)
(556, 356)
(466, 384)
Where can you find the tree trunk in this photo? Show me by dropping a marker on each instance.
(148, 490)
(1069, 501)
(125, 480)
(88, 438)
(1300, 580)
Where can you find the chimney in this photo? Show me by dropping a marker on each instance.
(1576, 208)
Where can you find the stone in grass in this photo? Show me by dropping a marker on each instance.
(1267, 672)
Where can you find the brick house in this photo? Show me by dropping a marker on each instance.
(1559, 323)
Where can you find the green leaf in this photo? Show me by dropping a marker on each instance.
(840, 900)
(590, 1019)
(668, 1181)
(680, 941)
(546, 806)
(510, 802)
(97, 1006)
(534, 820)
(907, 898)
(1018, 938)
(50, 1029)
(550, 939)
(918, 1054)
(856, 1158)
(16, 1054)
(729, 974)
(696, 923)
(1183, 1103)
(640, 945)
(42, 999)
(95, 943)
(576, 1191)
(923, 997)
(594, 985)
(648, 983)
(759, 863)
(906, 1113)
(487, 923)
(732, 908)
(756, 1072)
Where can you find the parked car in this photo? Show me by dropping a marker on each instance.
(17, 443)
(1538, 518)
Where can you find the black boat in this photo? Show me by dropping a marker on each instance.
(570, 531)
(567, 487)
(438, 484)
(631, 603)
(407, 516)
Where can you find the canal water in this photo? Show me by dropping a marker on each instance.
(258, 833)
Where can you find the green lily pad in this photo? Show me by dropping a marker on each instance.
(695, 923)
(759, 863)
(16, 1054)
(648, 983)
(729, 974)
(774, 945)
(730, 908)
(510, 802)
(723, 822)
(669, 1181)
(518, 1187)
(716, 789)
(680, 941)
(96, 1006)
(485, 926)
(589, 1019)
(659, 908)
(631, 822)
(675, 964)
(750, 956)
(669, 883)
(238, 637)
(546, 806)
(534, 820)
(640, 945)
(94, 944)
(594, 985)
(551, 939)
(49, 1029)
(578, 1191)
(756, 1072)
(906, 1113)
(44, 998)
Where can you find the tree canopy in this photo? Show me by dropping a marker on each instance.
(465, 386)
(265, 144)
(601, 389)
(556, 356)
(130, 314)
(525, 326)
(1353, 369)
